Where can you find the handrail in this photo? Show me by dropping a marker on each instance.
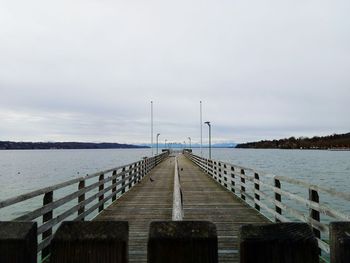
(177, 214)
(91, 193)
(263, 191)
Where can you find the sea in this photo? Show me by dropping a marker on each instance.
(22, 171)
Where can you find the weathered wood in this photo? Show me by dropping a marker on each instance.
(242, 184)
(114, 183)
(18, 242)
(278, 243)
(314, 214)
(90, 242)
(339, 237)
(48, 198)
(123, 181)
(256, 193)
(100, 188)
(177, 199)
(182, 241)
(204, 199)
(278, 198)
(81, 198)
(144, 202)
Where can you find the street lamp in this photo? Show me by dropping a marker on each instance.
(184, 145)
(157, 141)
(165, 144)
(208, 123)
(190, 142)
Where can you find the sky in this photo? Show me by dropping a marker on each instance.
(87, 70)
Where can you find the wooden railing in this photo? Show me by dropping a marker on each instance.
(280, 198)
(82, 197)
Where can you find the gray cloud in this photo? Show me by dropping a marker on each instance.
(87, 70)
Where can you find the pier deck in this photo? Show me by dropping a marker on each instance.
(146, 202)
(203, 199)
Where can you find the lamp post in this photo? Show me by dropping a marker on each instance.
(189, 138)
(184, 145)
(208, 123)
(157, 141)
(165, 144)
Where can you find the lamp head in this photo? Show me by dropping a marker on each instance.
(207, 122)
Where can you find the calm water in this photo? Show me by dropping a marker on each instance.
(327, 168)
(24, 171)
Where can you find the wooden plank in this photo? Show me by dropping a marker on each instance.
(145, 202)
(205, 199)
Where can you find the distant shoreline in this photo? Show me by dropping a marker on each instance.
(9, 145)
(335, 142)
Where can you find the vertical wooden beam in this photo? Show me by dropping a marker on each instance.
(18, 242)
(233, 183)
(48, 198)
(182, 241)
(314, 214)
(114, 183)
(242, 186)
(90, 241)
(339, 237)
(257, 188)
(81, 198)
(100, 188)
(278, 243)
(123, 182)
(278, 198)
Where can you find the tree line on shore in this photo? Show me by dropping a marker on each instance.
(335, 141)
(8, 145)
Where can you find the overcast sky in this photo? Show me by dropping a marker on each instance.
(87, 70)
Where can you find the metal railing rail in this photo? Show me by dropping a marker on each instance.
(101, 186)
(264, 191)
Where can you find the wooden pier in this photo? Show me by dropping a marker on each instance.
(203, 199)
(235, 205)
(146, 202)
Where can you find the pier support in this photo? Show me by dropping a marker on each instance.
(182, 241)
(18, 242)
(278, 243)
(339, 237)
(89, 242)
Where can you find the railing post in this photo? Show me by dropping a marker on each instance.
(277, 198)
(123, 182)
(233, 180)
(242, 186)
(314, 214)
(48, 198)
(81, 198)
(131, 171)
(257, 188)
(100, 188)
(114, 183)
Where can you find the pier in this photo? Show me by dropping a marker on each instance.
(244, 210)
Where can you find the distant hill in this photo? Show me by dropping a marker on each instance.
(335, 141)
(8, 145)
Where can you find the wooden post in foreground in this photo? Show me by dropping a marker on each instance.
(18, 242)
(278, 243)
(339, 237)
(182, 241)
(90, 241)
